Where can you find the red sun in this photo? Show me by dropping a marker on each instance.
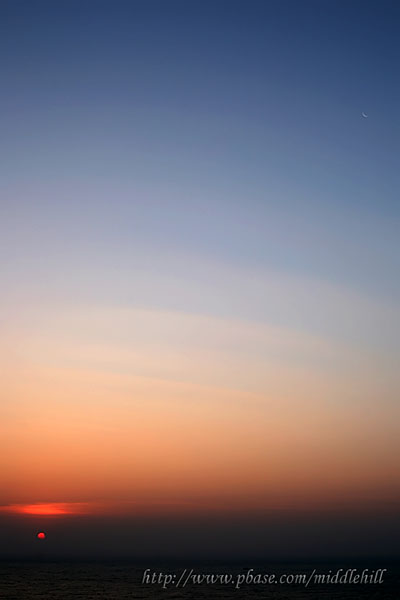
(41, 535)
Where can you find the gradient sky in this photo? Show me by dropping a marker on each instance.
(199, 240)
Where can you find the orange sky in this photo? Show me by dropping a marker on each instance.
(88, 432)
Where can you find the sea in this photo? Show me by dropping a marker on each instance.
(124, 579)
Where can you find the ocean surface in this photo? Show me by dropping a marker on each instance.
(120, 580)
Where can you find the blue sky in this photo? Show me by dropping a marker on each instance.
(194, 140)
(228, 129)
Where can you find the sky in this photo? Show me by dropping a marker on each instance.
(200, 293)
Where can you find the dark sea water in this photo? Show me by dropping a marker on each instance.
(120, 580)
